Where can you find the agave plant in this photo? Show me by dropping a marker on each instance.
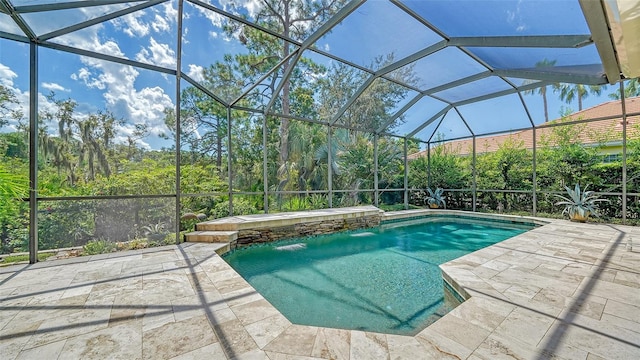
(155, 231)
(435, 199)
(580, 204)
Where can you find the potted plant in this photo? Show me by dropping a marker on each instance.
(579, 205)
(435, 199)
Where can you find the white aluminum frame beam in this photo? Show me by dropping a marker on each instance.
(596, 18)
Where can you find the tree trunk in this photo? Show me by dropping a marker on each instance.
(218, 145)
(579, 102)
(543, 91)
(286, 89)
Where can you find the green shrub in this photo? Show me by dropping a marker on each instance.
(24, 257)
(95, 247)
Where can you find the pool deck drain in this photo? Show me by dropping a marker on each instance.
(563, 290)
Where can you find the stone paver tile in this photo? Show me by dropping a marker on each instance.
(234, 338)
(332, 344)
(627, 278)
(118, 342)
(591, 356)
(471, 313)
(254, 311)
(89, 274)
(187, 307)
(524, 290)
(252, 355)
(214, 300)
(200, 281)
(10, 347)
(76, 290)
(41, 312)
(620, 322)
(167, 286)
(231, 285)
(176, 338)
(618, 292)
(47, 351)
(222, 316)
(525, 325)
(211, 351)
(294, 340)
(64, 327)
(623, 310)
(280, 356)
(406, 347)
(366, 345)
(591, 306)
(616, 343)
(502, 347)
(265, 330)
(131, 306)
(115, 287)
(177, 265)
(494, 305)
(563, 277)
(484, 272)
(242, 296)
(219, 274)
(496, 265)
(157, 315)
(40, 294)
(460, 331)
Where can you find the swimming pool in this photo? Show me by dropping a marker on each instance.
(384, 279)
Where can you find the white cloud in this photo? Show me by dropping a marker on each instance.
(157, 54)
(213, 34)
(135, 105)
(196, 72)
(132, 25)
(251, 6)
(91, 81)
(514, 17)
(22, 97)
(160, 24)
(7, 75)
(53, 87)
(170, 13)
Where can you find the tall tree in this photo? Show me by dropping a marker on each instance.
(570, 92)
(631, 89)
(8, 101)
(543, 89)
(290, 19)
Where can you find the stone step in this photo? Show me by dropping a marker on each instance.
(212, 236)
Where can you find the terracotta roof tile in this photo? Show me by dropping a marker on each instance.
(593, 131)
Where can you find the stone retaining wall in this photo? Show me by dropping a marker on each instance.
(304, 229)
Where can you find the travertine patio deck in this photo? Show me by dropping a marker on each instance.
(562, 291)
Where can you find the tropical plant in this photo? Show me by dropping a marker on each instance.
(155, 231)
(435, 199)
(12, 185)
(570, 92)
(631, 89)
(580, 204)
(542, 90)
(100, 246)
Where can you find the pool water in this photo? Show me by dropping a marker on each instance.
(384, 279)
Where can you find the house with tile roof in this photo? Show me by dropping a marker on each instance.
(605, 130)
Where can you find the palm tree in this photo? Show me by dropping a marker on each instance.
(568, 92)
(631, 89)
(543, 89)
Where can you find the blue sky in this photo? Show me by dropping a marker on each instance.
(375, 29)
